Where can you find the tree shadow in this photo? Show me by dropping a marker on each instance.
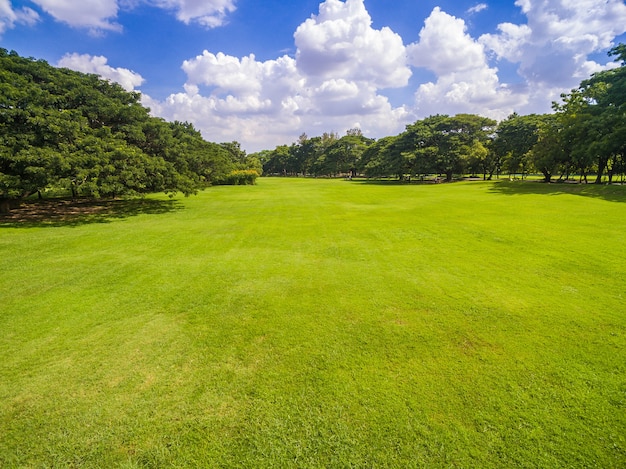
(77, 212)
(611, 193)
(395, 182)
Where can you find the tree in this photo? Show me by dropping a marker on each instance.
(344, 155)
(594, 117)
(378, 159)
(68, 130)
(515, 137)
(454, 138)
(548, 154)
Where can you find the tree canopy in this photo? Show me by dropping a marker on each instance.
(61, 129)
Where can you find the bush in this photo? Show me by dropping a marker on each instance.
(239, 177)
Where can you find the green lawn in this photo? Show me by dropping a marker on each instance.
(319, 323)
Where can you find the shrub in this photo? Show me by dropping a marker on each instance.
(239, 177)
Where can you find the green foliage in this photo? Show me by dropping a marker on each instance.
(515, 138)
(327, 155)
(594, 120)
(239, 177)
(61, 129)
(438, 144)
(548, 154)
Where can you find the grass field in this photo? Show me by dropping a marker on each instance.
(319, 323)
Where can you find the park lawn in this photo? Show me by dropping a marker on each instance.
(320, 323)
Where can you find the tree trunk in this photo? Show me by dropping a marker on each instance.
(602, 162)
(5, 206)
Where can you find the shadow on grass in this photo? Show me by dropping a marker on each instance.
(612, 193)
(393, 182)
(77, 212)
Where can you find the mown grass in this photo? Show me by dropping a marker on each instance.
(320, 323)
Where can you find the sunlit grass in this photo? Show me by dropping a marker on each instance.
(320, 323)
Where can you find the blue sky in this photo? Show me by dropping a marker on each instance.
(262, 73)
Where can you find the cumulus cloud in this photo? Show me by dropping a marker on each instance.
(553, 48)
(86, 63)
(343, 66)
(97, 15)
(465, 81)
(341, 43)
(333, 83)
(444, 46)
(10, 17)
(100, 15)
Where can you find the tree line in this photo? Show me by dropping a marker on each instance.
(62, 130)
(585, 135)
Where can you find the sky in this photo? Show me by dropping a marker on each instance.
(264, 72)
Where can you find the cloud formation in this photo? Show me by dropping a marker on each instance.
(340, 43)
(332, 84)
(478, 8)
(96, 15)
(10, 17)
(209, 13)
(465, 80)
(552, 50)
(86, 63)
(99, 16)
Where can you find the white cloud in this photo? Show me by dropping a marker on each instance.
(86, 63)
(478, 8)
(341, 64)
(444, 46)
(209, 13)
(100, 15)
(553, 48)
(340, 43)
(9, 17)
(97, 15)
(465, 81)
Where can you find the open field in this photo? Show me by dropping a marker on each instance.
(319, 323)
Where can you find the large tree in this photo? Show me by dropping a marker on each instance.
(594, 117)
(65, 129)
(445, 144)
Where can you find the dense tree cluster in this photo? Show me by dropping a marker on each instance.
(65, 130)
(326, 155)
(590, 128)
(586, 134)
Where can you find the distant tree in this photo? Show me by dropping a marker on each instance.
(450, 141)
(548, 154)
(344, 155)
(515, 137)
(354, 132)
(278, 161)
(480, 159)
(385, 158)
(234, 149)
